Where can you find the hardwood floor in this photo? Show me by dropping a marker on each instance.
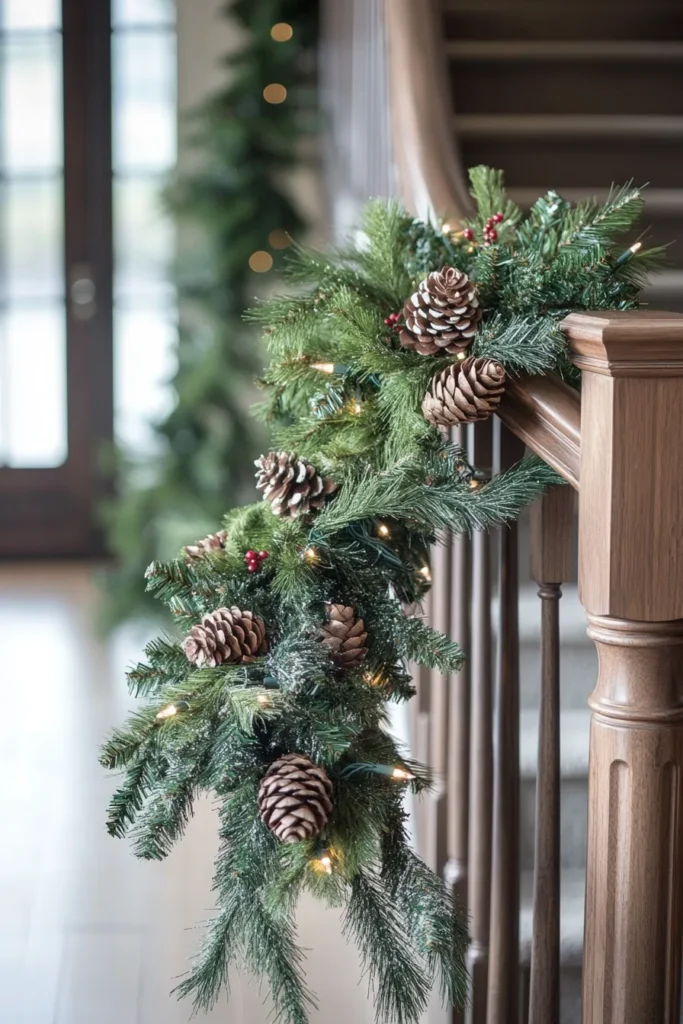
(88, 934)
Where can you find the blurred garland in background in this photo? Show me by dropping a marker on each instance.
(247, 136)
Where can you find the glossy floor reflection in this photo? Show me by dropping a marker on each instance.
(89, 935)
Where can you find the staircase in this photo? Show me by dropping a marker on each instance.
(565, 96)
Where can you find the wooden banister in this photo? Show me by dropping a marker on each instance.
(630, 572)
(545, 413)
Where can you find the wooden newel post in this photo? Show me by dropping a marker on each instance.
(631, 584)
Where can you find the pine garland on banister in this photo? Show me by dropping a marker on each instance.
(294, 621)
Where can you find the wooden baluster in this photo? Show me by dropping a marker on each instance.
(503, 988)
(457, 868)
(630, 571)
(552, 550)
(438, 709)
(481, 749)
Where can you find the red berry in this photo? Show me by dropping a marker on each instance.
(252, 567)
(468, 234)
(498, 218)
(250, 554)
(395, 317)
(492, 235)
(263, 555)
(388, 320)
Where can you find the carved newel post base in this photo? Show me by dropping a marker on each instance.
(634, 887)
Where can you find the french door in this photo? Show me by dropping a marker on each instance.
(79, 310)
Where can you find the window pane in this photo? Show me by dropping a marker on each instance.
(30, 14)
(145, 360)
(144, 101)
(142, 12)
(33, 242)
(33, 430)
(32, 103)
(143, 240)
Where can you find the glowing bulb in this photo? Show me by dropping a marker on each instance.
(383, 530)
(460, 355)
(311, 554)
(446, 229)
(324, 367)
(167, 712)
(264, 700)
(425, 571)
(635, 247)
(402, 774)
(357, 408)
(474, 484)
(282, 32)
(275, 93)
(326, 862)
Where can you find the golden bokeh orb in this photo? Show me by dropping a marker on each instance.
(275, 93)
(260, 261)
(282, 32)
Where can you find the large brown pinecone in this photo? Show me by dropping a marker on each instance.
(207, 546)
(441, 317)
(292, 485)
(227, 635)
(295, 798)
(464, 392)
(344, 635)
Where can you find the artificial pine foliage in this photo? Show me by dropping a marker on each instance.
(292, 741)
(232, 201)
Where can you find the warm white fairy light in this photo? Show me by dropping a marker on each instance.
(167, 712)
(460, 355)
(635, 247)
(474, 484)
(264, 700)
(383, 530)
(402, 774)
(356, 408)
(425, 571)
(323, 367)
(326, 862)
(311, 554)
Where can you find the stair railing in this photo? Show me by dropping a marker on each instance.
(620, 446)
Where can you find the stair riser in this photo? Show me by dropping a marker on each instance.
(573, 822)
(578, 86)
(577, 162)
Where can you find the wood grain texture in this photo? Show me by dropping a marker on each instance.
(634, 887)
(545, 413)
(630, 524)
(551, 529)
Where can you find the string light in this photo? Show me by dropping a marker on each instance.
(279, 239)
(474, 484)
(425, 571)
(356, 407)
(282, 32)
(264, 700)
(383, 530)
(373, 679)
(635, 247)
(402, 774)
(260, 261)
(323, 367)
(275, 93)
(460, 355)
(326, 862)
(171, 710)
(446, 229)
(311, 554)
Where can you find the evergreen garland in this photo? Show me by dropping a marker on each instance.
(234, 200)
(344, 395)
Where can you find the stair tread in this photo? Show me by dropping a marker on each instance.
(636, 126)
(541, 49)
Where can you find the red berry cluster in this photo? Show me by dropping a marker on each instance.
(490, 233)
(254, 559)
(393, 321)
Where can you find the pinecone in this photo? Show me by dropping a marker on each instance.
(208, 546)
(295, 798)
(344, 635)
(442, 316)
(227, 635)
(464, 392)
(292, 485)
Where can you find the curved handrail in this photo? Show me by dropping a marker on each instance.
(542, 411)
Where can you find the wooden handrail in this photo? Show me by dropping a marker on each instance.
(545, 413)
